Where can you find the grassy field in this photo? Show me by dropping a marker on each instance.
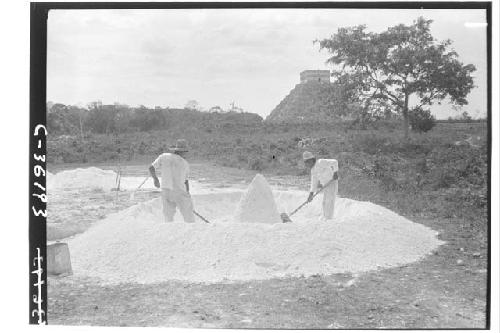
(436, 179)
(437, 173)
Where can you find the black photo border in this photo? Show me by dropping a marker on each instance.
(37, 104)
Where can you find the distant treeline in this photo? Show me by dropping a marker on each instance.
(465, 121)
(114, 119)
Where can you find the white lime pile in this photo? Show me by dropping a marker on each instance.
(135, 245)
(96, 178)
(257, 205)
(91, 177)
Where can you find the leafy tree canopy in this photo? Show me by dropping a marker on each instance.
(403, 61)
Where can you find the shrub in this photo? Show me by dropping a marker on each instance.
(421, 120)
(257, 164)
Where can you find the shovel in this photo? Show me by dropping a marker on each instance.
(285, 218)
(132, 195)
(201, 217)
(195, 212)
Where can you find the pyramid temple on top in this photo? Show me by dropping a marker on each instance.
(321, 76)
(314, 99)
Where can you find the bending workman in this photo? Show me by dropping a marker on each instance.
(322, 172)
(174, 182)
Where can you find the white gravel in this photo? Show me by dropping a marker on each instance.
(257, 204)
(134, 245)
(91, 177)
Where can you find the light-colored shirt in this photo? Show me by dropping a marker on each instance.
(322, 172)
(174, 171)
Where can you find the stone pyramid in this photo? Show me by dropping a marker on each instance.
(311, 102)
(257, 205)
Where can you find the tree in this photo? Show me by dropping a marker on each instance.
(65, 119)
(145, 119)
(396, 64)
(192, 105)
(101, 118)
(466, 116)
(421, 120)
(234, 108)
(216, 109)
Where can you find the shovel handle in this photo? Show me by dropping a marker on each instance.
(137, 189)
(201, 217)
(297, 209)
(143, 182)
(315, 194)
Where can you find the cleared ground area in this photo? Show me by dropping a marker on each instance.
(369, 268)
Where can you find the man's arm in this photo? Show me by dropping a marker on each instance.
(314, 186)
(152, 171)
(186, 181)
(335, 168)
(314, 182)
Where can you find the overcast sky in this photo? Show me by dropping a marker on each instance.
(250, 56)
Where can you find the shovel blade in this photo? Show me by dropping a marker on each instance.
(285, 218)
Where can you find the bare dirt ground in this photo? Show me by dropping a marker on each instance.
(445, 290)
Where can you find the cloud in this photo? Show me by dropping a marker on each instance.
(252, 57)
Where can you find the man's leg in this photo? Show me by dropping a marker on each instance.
(185, 204)
(329, 196)
(168, 205)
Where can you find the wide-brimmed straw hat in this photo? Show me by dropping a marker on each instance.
(180, 146)
(307, 155)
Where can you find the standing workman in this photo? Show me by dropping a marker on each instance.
(174, 182)
(322, 172)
